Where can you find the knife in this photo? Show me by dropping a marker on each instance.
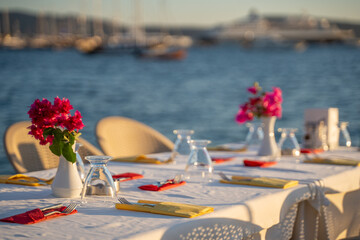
(57, 205)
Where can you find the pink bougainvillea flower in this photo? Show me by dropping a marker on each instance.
(74, 122)
(62, 106)
(252, 90)
(263, 104)
(41, 112)
(49, 119)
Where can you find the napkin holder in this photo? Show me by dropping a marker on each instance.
(321, 128)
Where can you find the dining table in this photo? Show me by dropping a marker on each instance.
(323, 205)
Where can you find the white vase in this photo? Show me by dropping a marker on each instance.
(268, 146)
(67, 182)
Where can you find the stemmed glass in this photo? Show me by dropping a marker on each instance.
(345, 136)
(79, 162)
(182, 144)
(288, 144)
(255, 133)
(199, 166)
(99, 178)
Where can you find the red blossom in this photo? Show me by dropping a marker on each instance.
(62, 106)
(262, 104)
(74, 122)
(252, 90)
(45, 115)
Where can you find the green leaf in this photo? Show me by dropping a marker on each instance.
(47, 132)
(71, 138)
(56, 147)
(68, 153)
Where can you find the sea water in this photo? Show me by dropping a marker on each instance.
(202, 92)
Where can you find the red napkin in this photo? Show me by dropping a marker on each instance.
(257, 163)
(152, 187)
(127, 176)
(311, 150)
(34, 216)
(220, 160)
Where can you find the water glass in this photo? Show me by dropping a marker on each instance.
(288, 144)
(199, 166)
(79, 162)
(255, 134)
(99, 178)
(345, 139)
(182, 144)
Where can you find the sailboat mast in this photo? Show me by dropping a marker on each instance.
(6, 22)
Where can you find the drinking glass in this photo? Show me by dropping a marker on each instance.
(288, 144)
(345, 139)
(182, 144)
(79, 162)
(255, 134)
(99, 182)
(199, 166)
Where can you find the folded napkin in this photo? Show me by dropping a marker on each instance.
(142, 159)
(34, 216)
(227, 149)
(25, 180)
(335, 161)
(262, 182)
(258, 163)
(167, 208)
(167, 185)
(127, 176)
(221, 159)
(311, 150)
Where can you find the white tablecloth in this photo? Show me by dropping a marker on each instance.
(240, 211)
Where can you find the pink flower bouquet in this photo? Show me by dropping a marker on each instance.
(54, 124)
(261, 104)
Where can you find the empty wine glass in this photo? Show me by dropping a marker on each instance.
(345, 139)
(255, 133)
(182, 144)
(288, 144)
(199, 166)
(79, 162)
(99, 178)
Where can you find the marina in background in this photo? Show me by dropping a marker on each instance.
(93, 35)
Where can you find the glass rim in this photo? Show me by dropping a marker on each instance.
(200, 141)
(183, 131)
(98, 158)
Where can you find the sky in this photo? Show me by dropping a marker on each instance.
(202, 13)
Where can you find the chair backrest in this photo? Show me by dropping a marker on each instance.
(122, 137)
(26, 154)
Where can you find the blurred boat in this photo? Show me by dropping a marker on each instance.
(13, 42)
(278, 31)
(163, 53)
(89, 45)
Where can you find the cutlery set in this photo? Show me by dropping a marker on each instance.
(123, 200)
(71, 207)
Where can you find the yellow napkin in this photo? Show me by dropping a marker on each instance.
(25, 180)
(227, 149)
(262, 182)
(335, 161)
(168, 208)
(141, 159)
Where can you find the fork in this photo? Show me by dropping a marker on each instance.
(176, 180)
(67, 210)
(123, 200)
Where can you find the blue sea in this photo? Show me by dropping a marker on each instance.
(201, 92)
